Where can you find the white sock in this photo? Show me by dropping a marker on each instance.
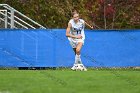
(77, 59)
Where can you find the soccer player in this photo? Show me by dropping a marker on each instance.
(76, 36)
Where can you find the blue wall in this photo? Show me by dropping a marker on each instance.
(50, 48)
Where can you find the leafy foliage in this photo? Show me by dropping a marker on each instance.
(105, 14)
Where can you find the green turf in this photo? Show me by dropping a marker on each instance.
(67, 81)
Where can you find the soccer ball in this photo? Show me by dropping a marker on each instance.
(80, 67)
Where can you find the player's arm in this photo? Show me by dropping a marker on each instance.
(70, 35)
(91, 27)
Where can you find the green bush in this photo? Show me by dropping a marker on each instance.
(56, 13)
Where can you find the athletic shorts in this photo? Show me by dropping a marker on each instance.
(74, 42)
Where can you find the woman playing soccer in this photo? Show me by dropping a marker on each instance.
(76, 36)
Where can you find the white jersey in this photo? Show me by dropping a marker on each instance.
(77, 28)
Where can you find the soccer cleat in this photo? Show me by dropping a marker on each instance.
(74, 67)
(79, 67)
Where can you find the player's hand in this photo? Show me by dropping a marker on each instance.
(91, 27)
(79, 37)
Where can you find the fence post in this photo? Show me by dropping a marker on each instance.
(5, 18)
(12, 18)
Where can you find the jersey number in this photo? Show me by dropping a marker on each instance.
(78, 32)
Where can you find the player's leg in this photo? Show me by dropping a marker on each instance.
(78, 49)
(77, 56)
(75, 63)
(74, 44)
(77, 46)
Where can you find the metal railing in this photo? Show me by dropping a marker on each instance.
(11, 18)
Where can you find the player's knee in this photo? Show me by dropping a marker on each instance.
(77, 50)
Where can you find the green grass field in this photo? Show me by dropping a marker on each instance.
(67, 81)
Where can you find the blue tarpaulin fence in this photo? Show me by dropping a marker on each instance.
(50, 48)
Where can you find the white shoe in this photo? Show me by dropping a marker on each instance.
(81, 67)
(74, 67)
